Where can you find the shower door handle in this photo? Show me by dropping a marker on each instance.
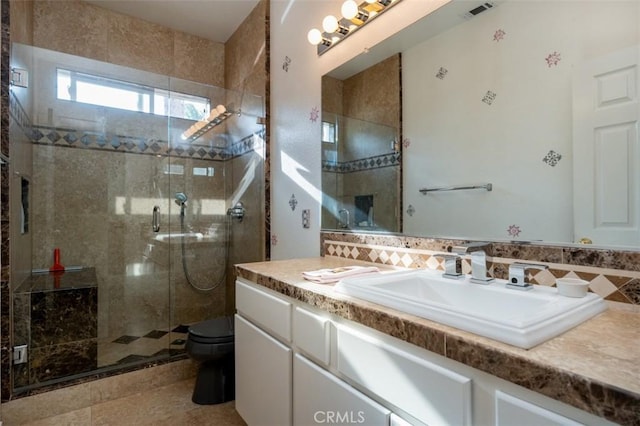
(155, 222)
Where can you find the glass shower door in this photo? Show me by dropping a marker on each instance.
(97, 162)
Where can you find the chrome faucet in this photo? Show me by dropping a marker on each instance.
(452, 266)
(518, 277)
(478, 261)
(347, 215)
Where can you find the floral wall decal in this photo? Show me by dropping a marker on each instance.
(406, 142)
(553, 59)
(499, 35)
(286, 63)
(552, 158)
(442, 72)
(314, 114)
(513, 231)
(293, 202)
(274, 240)
(411, 210)
(489, 97)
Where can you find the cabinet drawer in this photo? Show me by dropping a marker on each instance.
(311, 334)
(270, 312)
(426, 391)
(511, 410)
(319, 397)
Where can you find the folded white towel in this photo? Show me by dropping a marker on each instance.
(327, 276)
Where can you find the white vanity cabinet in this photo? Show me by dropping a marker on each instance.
(263, 356)
(319, 397)
(297, 365)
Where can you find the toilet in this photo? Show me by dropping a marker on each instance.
(211, 343)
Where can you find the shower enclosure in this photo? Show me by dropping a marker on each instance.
(128, 177)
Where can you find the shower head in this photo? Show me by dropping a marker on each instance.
(181, 199)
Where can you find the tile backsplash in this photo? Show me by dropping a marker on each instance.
(613, 274)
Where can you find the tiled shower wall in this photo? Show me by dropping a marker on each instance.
(81, 29)
(247, 72)
(613, 274)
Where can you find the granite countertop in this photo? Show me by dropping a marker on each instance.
(589, 367)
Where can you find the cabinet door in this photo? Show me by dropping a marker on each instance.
(263, 376)
(427, 392)
(319, 397)
(513, 411)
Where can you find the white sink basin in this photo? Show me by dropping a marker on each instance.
(519, 318)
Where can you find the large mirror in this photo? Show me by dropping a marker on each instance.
(361, 149)
(518, 123)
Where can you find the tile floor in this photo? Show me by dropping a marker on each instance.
(126, 348)
(159, 395)
(166, 405)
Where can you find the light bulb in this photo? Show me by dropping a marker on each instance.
(330, 24)
(314, 36)
(349, 9)
(371, 1)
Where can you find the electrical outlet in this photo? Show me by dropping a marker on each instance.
(19, 354)
(306, 218)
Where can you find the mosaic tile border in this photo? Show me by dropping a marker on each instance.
(71, 138)
(613, 283)
(368, 163)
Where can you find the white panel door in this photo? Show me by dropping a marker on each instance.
(263, 376)
(606, 155)
(319, 397)
(513, 411)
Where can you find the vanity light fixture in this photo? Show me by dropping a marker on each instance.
(354, 16)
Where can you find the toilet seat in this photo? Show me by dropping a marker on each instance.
(218, 330)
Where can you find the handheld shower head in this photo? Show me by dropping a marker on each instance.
(181, 199)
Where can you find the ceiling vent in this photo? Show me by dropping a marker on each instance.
(479, 9)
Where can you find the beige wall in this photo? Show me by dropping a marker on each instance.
(374, 94)
(86, 30)
(246, 74)
(21, 18)
(246, 54)
(332, 95)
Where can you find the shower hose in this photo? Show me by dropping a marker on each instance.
(184, 257)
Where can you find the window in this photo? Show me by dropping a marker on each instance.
(328, 132)
(95, 90)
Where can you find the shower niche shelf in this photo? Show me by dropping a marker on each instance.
(211, 124)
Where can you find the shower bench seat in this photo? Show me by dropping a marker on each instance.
(56, 317)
